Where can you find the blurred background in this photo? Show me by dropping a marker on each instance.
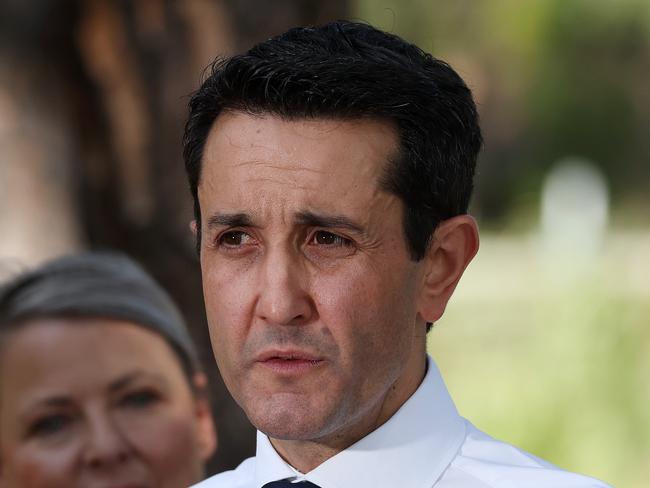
(546, 343)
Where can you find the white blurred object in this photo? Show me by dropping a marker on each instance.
(574, 216)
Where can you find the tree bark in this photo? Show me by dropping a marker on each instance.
(93, 99)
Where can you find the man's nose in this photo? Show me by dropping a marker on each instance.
(106, 444)
(283, 297)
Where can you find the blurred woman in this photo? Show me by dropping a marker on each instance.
(100, 385)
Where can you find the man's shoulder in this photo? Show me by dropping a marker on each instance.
(486, 462)
(240, 477)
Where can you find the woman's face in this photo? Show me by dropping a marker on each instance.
(101, 405)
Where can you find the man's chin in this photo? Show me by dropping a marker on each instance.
(290, 421)
(287, 428)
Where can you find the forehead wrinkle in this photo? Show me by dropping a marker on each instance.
(278, 151)
(292, 167)
(282, 181)
(289, 177)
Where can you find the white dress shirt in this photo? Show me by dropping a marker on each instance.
(425, 444)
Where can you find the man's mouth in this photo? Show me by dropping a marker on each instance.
(289, 362)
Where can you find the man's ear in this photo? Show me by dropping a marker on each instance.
(195, 227)
(455, 242)
(207, 434)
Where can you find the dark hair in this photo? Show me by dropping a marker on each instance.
(96, 285)
(351, 70)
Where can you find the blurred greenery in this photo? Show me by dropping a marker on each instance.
(552, 78)
(556, 362)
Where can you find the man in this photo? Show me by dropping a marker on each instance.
(331, 169)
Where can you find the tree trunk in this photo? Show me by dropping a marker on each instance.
(93, 98)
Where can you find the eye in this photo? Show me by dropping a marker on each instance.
(234, 238)
(49, 425)
(324, 238)
(140, 399)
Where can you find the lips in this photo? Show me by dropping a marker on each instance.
(289, 362)
(287, 355)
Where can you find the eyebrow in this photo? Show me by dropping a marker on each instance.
(320, 220)
(129, 378)
(61, 401)
(229, 220)
(31, 408)
(305, 218)
(55, 401)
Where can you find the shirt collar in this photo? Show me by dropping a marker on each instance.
(413, 448)
(269, 466)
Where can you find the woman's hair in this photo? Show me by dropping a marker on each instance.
(96, 285)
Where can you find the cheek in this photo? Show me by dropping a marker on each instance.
(168, 442)
(37, 467)
(368, 312)
(229, 302)
(354, 301)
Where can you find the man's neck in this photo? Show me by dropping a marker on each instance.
(306, 455)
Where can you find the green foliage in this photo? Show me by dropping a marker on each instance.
(582, 101)
(553, 79)
(557, 363)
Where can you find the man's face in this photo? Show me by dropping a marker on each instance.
(311, 298)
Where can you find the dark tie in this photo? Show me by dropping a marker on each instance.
(289, 484)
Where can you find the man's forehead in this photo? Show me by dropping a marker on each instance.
(311, 144)
(321, 165)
